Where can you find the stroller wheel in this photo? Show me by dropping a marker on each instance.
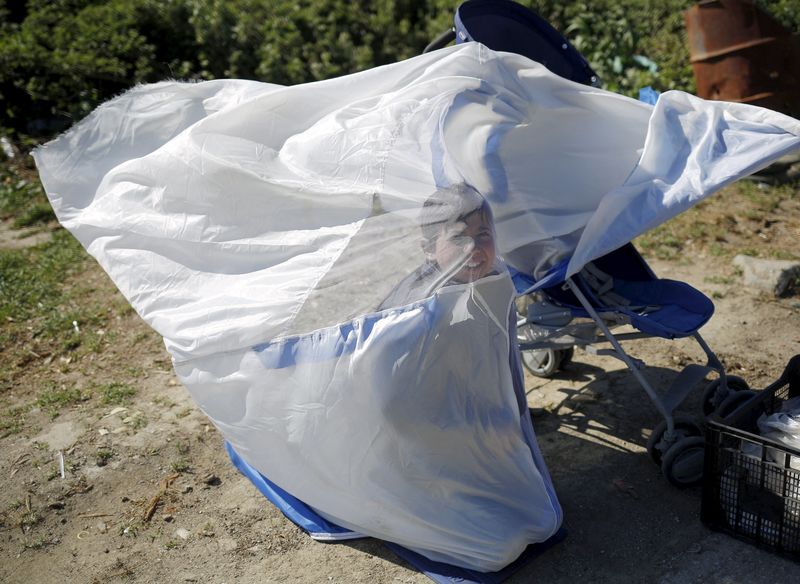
(566, 357)
(712, 401)
(685, 427)
(683, 462)
(733, 402)
(541, 362)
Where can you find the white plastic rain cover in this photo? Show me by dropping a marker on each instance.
(322, 263)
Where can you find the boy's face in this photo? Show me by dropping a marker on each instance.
(474, 238)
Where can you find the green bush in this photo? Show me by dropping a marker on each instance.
(60, 58)
(786, 12)
(65, 58)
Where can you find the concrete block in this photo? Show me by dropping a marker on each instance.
(778, 277)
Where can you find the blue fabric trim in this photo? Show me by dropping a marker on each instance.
(293, 508)
(442, 573)
(525, 283)
(309, 521)
(522, 281)
(328, 343)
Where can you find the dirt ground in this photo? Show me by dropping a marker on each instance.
(148, 495)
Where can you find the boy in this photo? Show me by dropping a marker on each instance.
(458, 241)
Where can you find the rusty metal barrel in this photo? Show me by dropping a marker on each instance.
(739, 53)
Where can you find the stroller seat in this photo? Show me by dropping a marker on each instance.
(622, 283)
(660, 307)
(673, 309)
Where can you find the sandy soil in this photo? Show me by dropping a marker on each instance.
(148, 494)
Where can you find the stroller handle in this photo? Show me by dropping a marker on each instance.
(441, 41)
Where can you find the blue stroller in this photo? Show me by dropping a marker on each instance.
(557, 314)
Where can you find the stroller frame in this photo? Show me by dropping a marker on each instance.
(677, 443)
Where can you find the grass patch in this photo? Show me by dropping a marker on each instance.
(22, 197)
(764, 198)
(181, 466)
(716, 250)
(45, 309)
(35, 302)
(56, 398)
(137, 421)
(782, 254)
(103, 456)
(28, 520)
(737, 220)
(30, 279)
(133, 371)
(768, 253)
(37, 543)
(724, 280)
(116, 393)
(140, 337)
(662, 242)
(12, 421)
(53, 472)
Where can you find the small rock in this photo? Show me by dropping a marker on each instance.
(227, 544)
(186, 489)
(211, 479)
(168, 518)
(583, 397)
(56, 505)
(779, 277)
(182, 533)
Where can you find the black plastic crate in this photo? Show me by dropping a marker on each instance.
(751, 485)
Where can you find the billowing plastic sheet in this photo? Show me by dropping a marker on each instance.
(327, 264)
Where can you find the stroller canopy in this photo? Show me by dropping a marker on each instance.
(261, 229)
